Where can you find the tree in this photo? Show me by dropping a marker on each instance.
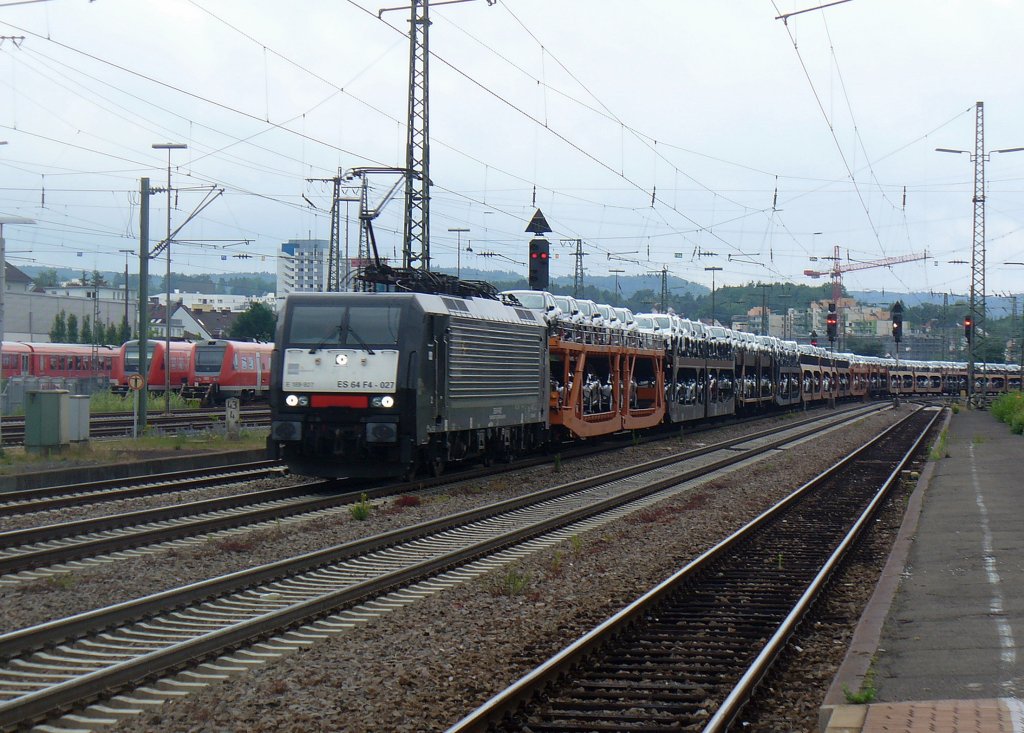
(255, 324)
(124, 333)
(113, 336)
(86, 337)
(59, 330)
(46, 279)
(72, 329)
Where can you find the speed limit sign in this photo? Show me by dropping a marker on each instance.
(136, 382)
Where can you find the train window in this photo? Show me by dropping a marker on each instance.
(131, 355)
(209, 358)
(329, 325)
(53, 362)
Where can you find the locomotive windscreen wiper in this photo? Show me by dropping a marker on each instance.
(336, 331)
(359, 339)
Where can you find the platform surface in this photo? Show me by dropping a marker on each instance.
(944, 635)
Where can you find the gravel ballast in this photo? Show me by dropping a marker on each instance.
(422, 667)
(97, 585)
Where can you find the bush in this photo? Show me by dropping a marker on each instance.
(1017, 424)
(1009, 408)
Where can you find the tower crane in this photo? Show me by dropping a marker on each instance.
(839, 267)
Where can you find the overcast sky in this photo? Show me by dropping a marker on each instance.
(657, 131)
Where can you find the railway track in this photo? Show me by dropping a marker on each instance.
(118, 424)
(24, 552)
(688, 654)
(64, 663)
(28, 501)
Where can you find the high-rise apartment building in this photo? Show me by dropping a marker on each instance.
(302, 266)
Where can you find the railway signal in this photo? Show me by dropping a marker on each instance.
(539, 261)
(832, 323)
(897, 322)
(968, 328)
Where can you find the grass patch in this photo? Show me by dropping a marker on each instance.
(512, 583)
(119, 450)
(107, 401)
(360, 511)
(64, 581)
(939, 451)
(555, 562)
(867, 692)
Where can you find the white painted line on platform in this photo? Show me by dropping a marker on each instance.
(996, 606)
(1016, 709)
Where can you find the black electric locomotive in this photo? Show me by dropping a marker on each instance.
(384, 384)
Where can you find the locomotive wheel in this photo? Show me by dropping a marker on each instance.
(436, 465)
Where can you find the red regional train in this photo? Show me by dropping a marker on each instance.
(220, 369)
(126, 363)
(57, 361)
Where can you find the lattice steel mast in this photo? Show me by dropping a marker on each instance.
(977, 297)
(416, 238)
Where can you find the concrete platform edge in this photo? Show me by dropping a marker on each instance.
(836, 715)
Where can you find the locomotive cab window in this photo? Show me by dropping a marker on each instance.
(131, 355)
(330, 326)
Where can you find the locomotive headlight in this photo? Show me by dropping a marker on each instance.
(292, 400)
(341, 359)
(387, 401)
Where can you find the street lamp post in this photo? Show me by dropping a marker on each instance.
(458, 250)
(713, 269)
(1020, 338)
(616, 272)
(765, 324)
(167, 306)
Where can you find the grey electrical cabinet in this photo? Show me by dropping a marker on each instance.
(78, 418)
(47, 416)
